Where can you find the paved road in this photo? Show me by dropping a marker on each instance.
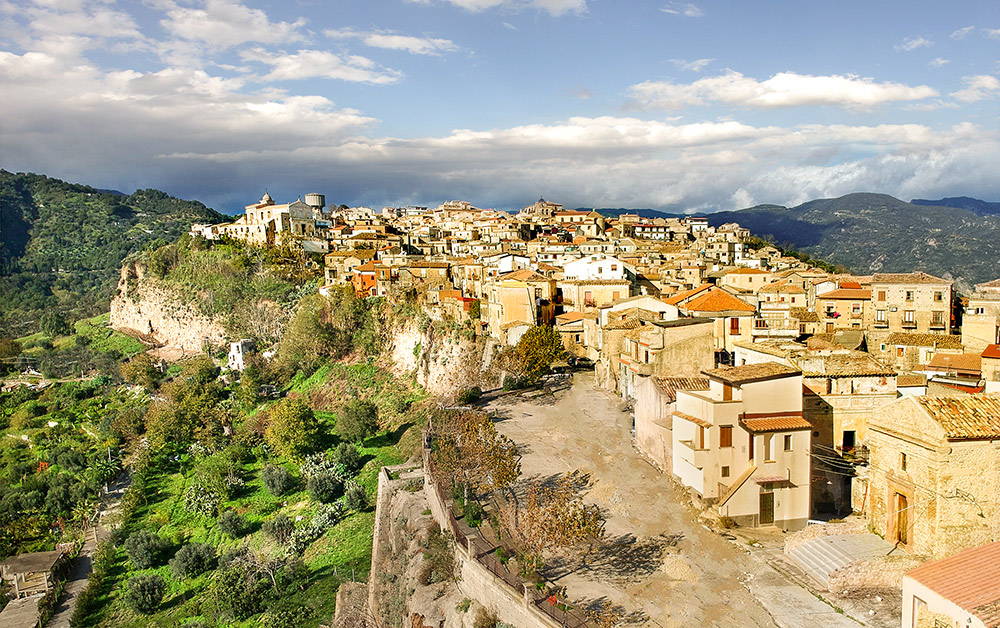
(668, 566)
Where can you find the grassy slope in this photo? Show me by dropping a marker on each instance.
(331, 558)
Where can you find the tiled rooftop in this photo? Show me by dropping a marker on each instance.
(737, 375)
(917, 277)
(939, 341)
(965, 416)
(670, 385)
(970, 579)
(776, 424)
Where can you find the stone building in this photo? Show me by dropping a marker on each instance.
(911, 302)
(934, 473)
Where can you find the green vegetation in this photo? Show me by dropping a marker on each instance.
(877, 233)
(62, 245)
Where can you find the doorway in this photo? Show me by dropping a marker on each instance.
(902, 520)
(766, 509)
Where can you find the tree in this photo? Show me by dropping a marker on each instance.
(277, 479)
(279, 528)
(232, 524)
(346, 456)
(325, 487)
(54, 324)
(144, 549)
(469, 449)
(140, 370)
(533, 354)
(357, 420)
(293, 430)
(192, 559)
(145, 592)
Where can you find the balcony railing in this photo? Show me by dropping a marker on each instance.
(699, 457)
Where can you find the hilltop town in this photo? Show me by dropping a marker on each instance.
(461, 417)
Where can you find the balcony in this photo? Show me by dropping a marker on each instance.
(698, 457)
(634, 365)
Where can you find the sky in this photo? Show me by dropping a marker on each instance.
(680, 106)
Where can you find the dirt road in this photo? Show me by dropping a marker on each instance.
(662, 564)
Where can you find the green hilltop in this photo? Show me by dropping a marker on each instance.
(878, 233)
(62, 244)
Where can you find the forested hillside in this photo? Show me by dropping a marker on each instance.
(878, 233)
(62, 244)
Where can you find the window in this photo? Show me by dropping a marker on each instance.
(725, 472)
(939, 296)
(788, 442)
(937, 318)
(856, 308)
(909, 295)
(614, 267)
(734, 326)
(767, 447)
(726, 436)
(908, 316)
(879, 316)
(899, 352)
(881, 295)
(902, 462)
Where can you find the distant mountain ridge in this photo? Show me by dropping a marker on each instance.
(879, 233)
(62, 244)
(976, 206)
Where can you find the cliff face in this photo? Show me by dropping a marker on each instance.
(445, 362)
(147, 309)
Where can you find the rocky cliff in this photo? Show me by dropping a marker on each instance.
(152, 311)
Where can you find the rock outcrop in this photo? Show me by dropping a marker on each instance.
(153, 312)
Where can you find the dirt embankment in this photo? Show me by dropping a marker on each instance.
(145, 308)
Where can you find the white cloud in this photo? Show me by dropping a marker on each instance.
(391, 41)
(912, 43)
(993, 33)
(979, 87)
(581, 93)
(962, 32)
(694, 66)
(555, 8)
(786, 89)
(227, 23)
(938, 62)
(321, 64)
(686, 9)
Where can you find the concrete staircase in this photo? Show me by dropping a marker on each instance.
(821, 557)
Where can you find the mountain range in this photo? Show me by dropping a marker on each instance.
(62, 244)
(878, 233)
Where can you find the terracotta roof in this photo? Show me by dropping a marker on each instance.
(524, 274)
(595, 282)
(956, 362)
(803, 315)
(776, 424)
(938, 341)
(992, 352)
(747, 271)
(969, 579)
(911, 379)
(847, 293)
(854, 364)
(687, 294)
(716, 300)
(425, 264)
(782, 286)
(693, 419)
(738, 375)
(965, 416)
(630, 322)
(917, 277)
(571, 317)
(670, 385)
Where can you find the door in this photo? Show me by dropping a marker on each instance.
(766, 508)
(849, 440)
(902, 519)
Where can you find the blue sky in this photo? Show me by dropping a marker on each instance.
(674, 105)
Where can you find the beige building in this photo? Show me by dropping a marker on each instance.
(663, 348)
(981, 320)
(743, 446)
(654, 409)
(517, 301)
(844, 308)
(961, 590)
(911, 302)
(734, 318)
(934, 473)
(263, 222)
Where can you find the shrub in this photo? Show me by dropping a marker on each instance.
(355, 496)
(144, 593)
(727, 523)
(325, 487)
(473, 514)
(144, 549)
(277, 480)
(470, 395)
(293, 430)
(192, 559)
(201, 499)
(327, 516)
(290, 617)
(279, 528)
(232, 524)
(317, 464)
(346, 455)
(357, 420)
(439, 560)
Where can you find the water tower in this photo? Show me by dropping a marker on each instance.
(316, 201)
